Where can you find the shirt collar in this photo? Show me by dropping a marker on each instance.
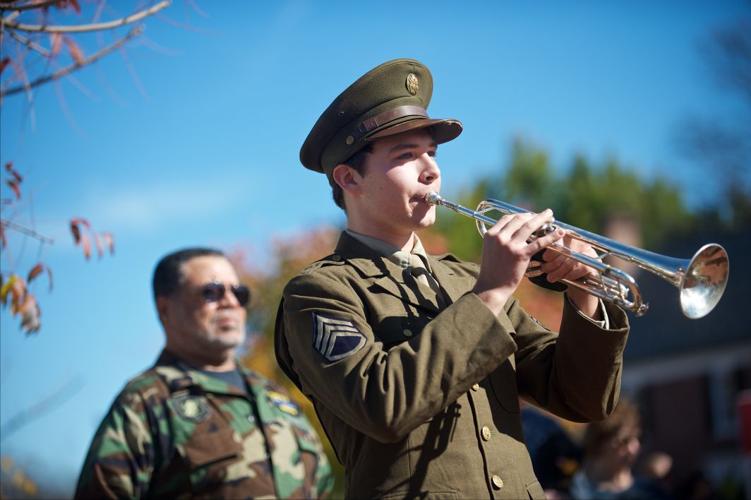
(394, 254)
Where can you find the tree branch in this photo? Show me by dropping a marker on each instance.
(84, 28)
(40, 408)
(28, 6)
(25, 230)
(75, 66)
(31, 44)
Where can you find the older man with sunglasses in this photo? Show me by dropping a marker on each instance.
(198, 424)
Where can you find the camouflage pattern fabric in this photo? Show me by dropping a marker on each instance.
(178, 433)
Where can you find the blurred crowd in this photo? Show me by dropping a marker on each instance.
(605, 460)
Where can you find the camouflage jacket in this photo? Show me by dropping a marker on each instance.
(176, 432)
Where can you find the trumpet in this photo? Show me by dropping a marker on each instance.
(700, 280)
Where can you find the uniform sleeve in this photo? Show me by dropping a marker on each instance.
(120, 460)
(575, 374)
(324, 477)
(386, 393)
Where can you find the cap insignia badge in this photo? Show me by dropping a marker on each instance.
(413, 84)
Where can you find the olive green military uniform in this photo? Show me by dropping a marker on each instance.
(426, 404)
(415, 381)
(175, 432)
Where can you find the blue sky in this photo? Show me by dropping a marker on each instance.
(201, 147)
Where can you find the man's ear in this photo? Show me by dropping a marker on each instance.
(162, 305)
(346, 178)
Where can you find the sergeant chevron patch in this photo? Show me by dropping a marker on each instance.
(336, 339)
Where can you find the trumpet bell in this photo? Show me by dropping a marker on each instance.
(704, 281)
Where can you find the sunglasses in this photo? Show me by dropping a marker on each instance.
(214, 292)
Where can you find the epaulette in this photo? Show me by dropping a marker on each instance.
(330, 260)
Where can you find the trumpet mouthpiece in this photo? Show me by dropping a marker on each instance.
(432, 198)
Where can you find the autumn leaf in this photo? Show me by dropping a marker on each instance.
(5, 289)
(82, 221)
(108, 241)
(74, 50)
(36, 271)
(75, 230)
(86, 246)
(16, 288)
(15, 187)
(3, 63)
(30, 314)
(57, 43)
(98, 244)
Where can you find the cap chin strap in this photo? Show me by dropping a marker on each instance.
(381, 119)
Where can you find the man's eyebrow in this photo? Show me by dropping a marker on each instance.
(408, 145)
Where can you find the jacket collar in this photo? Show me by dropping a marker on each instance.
(386, 274)
(178, 375)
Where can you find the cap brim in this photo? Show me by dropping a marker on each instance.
(442, 130)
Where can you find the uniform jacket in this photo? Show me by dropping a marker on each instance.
(422, 401)
(174, 432)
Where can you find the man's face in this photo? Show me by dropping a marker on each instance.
(398, 174)
(195, 324)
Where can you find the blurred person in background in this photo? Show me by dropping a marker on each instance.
(555, 456)
(198, 424)
(611, 448)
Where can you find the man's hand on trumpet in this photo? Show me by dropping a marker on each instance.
(506, 251)
(558, 267)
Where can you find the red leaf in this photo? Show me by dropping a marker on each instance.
(57, 43)
(76, 7)
(98, 243)
(74, 50)
(3, 63)
(109, 242)
(86, 245)
(35, 271)
(75, 231)
(14, 185)
(82, 221)
(12, 171)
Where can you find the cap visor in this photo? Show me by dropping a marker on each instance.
(443, 130)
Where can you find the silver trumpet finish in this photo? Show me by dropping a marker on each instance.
(701, 280)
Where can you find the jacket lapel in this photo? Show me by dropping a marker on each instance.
(384, 274)
(446, 277)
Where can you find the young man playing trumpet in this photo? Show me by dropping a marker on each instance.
(414, 362)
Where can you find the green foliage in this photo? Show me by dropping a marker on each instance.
(586, 195)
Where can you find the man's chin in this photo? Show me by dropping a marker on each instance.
(227, 340)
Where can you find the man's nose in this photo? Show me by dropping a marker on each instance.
(430, 172)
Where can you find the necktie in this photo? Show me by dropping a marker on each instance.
(429, 287)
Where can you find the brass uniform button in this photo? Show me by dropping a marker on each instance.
(475, 387)
(407, 332)
(349, 140)
(485, 432)
(497, 481)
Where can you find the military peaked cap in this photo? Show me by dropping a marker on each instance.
(389, 99)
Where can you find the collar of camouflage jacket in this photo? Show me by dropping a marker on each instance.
(178, 375)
